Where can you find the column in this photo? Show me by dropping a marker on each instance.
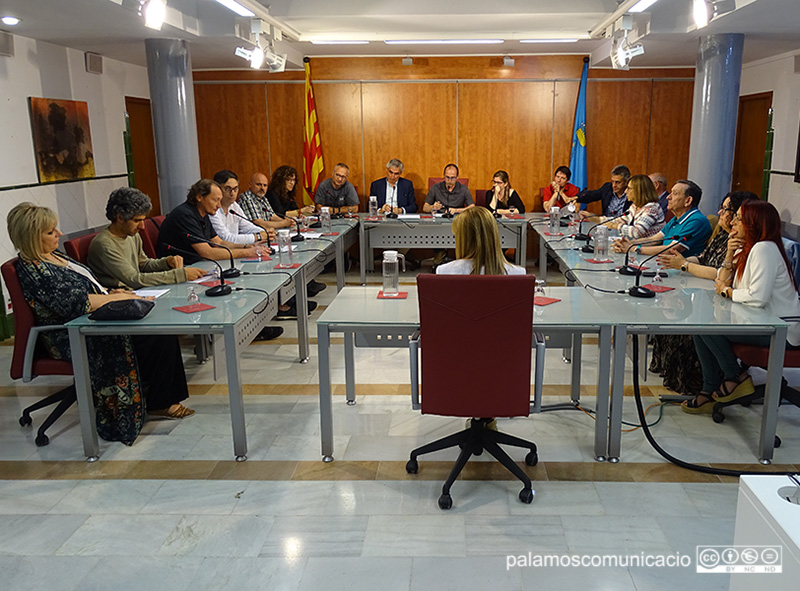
(714, 113)
(169, 71)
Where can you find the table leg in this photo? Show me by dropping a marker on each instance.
(772, 394)
(522, 245)
(618, 385)
(362, 250)
(235, 397)
(83, 388)
(602, 402)
(577, 344)
(340, 265)
(325, 400)
(349, 368)
(301, 301)
(542, 258)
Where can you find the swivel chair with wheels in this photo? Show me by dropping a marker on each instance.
(463, 320)
(27, 362)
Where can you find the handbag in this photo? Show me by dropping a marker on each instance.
(123, 310)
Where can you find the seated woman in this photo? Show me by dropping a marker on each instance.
(58, 290)
(478, 249)
(560, 191)
(756, 272)
(674, 357)
(502, 198)
(645, 216)
(281, 193)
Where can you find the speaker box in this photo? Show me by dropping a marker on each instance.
(94, 62)
(6, 44)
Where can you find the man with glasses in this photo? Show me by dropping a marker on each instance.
(449, 196)
(395, 194)
(337, 192)
(230, 222)
(256, 207)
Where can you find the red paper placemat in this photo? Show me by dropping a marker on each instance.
(657, 288)
(639, 267)
(214, 283)
(294, 266)
(599, 262)
(261, 260)
(549, 234)
(198, 307)
(373, 219)
(544, 301)
(400, 295)
(514, 216)
(426, 217)
(330, 233)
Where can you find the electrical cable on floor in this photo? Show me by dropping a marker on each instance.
(678, 462)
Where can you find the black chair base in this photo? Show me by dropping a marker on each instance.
(64, 398)
(473, 441)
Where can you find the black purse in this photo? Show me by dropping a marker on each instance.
(123, 310)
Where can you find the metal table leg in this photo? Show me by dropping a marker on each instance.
(83, 388)
(325, 400)
(236, 400)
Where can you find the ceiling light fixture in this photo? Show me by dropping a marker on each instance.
(622, 52)
(337, 42)
(236, 7)
(642, 5)
(408, 61)
(254, 56)
(154, 13)
(508, 61)
(548, 40)
(10, 20)
(443, 41)
(700, 11)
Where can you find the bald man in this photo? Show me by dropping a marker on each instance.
(256, 206)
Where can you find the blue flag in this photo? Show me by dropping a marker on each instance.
(577, 157)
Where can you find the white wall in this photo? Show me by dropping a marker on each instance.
(777, 75)
(44, 70)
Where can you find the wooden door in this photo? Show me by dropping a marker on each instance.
(751, 142)
(144, 149)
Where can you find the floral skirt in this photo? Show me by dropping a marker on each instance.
(675, 360)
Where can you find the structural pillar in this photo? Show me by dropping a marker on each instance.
(169, 71)
(714, 114)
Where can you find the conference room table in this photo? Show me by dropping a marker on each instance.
(690, 306)
(368, 321)
(237, 318)
(430, 231)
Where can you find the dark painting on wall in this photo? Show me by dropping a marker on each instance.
(797, 164)
(61, 139)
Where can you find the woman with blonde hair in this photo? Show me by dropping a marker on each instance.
(478, 249)
(645, 216)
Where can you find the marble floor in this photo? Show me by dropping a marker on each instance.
(174, 511)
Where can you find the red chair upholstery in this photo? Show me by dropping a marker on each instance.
(78, 248)
(480, 197)
(456, 313)
(27, 362)
(439, 179)
(149, 235)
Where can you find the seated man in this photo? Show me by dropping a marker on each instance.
(449, 196)
(612, 195)
(337, 192)
(689, 230)
(395, 194)
(116, 255)
(256, 207)
(560, 192)
(229, 221)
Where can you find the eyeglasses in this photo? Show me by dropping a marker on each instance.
(728, 209)
(498, 182)
(231, 189)
(736, 218)
(451, 178)
(292, 180)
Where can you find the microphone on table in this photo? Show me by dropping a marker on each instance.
(448, 214)
(626, 269)
(586, 247)
(642, 292)
(227, 273)
(339, 201)
(217, 290)
(297, 237)
(266, 232)
(392, 215)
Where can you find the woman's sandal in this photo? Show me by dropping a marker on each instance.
(181, 412)
(744, 388)
(695, 407)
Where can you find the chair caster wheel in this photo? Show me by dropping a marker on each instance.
(777, 441)
(412, 467)
(718, 417)
(25, 421)
(526, 495)
(532, 458)
(747, 403)
(42, 440)
(445, 502)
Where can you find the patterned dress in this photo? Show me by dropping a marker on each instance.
(58, 295)
(674, 356)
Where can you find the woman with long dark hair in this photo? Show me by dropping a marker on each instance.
(281, 193)
(756, 272)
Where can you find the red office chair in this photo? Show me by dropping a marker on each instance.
(78, 248)
(456, 313)
(149, 235)
(480, 197)
(27, 363)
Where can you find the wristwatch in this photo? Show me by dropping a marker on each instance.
(725, 292)
(685, 267)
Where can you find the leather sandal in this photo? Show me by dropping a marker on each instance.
(179, 413)
(695, 407)
(742, 389)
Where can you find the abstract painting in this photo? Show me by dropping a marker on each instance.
(61, 139)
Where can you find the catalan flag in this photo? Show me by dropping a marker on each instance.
(312, 145)
(577, 157)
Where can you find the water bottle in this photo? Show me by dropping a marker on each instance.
(193, 298)
(373, 206)
(325, 220)
(601, 243)
(555, 220)
(284, 247)
(391, 272)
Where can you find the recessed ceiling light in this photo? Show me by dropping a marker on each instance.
(443, 41)
(10, 20)
(236, 7)
(337, 42)
(548, 40)
(642, 5)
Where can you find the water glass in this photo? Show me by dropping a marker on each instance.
(373, 206)
(539, 290)
(601, 243)
(192, 298)
(284, 247)
(555, 220)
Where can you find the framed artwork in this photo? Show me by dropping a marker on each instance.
(797, 163)
(62, 139)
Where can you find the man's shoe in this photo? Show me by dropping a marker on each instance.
(268, 333)
(314, 287)
(291, 313)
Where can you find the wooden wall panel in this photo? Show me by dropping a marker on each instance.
(617, 128)
(413, 122)
(232, 129)
(286, 112)
(506, 127)
(339, 116)
(670, 125)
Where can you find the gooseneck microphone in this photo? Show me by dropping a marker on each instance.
(588, 248)
(217, 290)
(626, 269)
(227, 273)
(297, 237)
(266, 232)
(642, 292)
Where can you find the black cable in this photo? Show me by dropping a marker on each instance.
(678, 462)
(266, 304)
(587, 286)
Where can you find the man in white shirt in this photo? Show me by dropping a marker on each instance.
(230, 222)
